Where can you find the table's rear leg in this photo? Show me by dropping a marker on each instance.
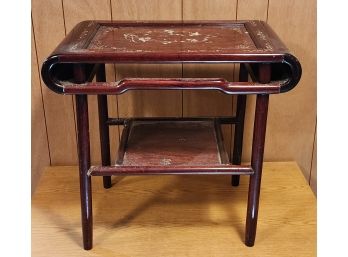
(239, 127)
(103, 126)
(83, 146)
(260, 121)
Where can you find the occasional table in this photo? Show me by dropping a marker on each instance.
(171, 145)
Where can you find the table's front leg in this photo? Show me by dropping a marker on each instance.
(239, 127)
(83, 145)
(260, 123)
(103, 126)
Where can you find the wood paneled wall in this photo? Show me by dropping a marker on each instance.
(292, 116)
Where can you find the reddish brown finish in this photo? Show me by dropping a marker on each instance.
(239, 128)
(220, 119)
(123, 85)
(171, 147)
(170, 41)
(172, 143)
(142, 42)
(103, 126)
(258, 146)
(83, 146)
(226, 169)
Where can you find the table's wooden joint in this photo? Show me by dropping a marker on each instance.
(123, 170)
(222, 119)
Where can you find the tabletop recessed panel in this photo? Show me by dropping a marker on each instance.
(188, 38)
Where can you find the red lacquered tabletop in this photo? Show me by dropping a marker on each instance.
(95, 42)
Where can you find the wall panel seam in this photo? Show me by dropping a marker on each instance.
(237, 9)
(110, 6)
(40, 86)
(310, 170)
(63, 17)
(72, 98)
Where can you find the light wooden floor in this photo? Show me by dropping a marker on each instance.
(175, 215)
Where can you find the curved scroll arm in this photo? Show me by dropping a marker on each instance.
(47, 75)
(59, 78)
(57, 75)
(295, 73)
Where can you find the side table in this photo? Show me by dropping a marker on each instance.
(171, 145)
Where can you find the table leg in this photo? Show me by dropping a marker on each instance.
(103, 127)
(238, 136)
(257, 158)
(83, 146)
(239, 127)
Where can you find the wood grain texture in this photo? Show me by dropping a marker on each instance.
(172, 143)
(252, 10)
(313, 176)
(148, 103)
(292, 116)
(48, 22)
(75, 12)
(209, 103)
(142, 103)
(39, 146)
(209, 10)
(175, 215)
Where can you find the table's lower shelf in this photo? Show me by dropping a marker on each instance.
(171, 147)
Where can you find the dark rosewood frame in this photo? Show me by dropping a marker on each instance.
(272, 72)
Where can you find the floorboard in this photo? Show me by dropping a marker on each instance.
(175, 215)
